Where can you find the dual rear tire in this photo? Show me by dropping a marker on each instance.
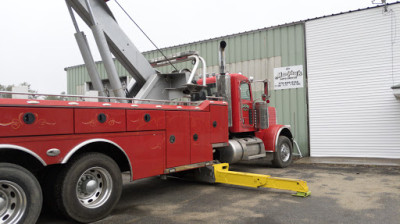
(87, 188)
(20, 195)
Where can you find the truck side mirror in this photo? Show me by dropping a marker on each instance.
(266, 95)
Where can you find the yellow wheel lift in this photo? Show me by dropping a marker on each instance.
(223, 175)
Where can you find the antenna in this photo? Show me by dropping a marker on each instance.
(383, 2)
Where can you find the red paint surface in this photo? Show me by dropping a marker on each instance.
(65, 126)
(200, 149)
(147, 155)
(220, 133)
(135, 120)
(208, 80)
(204, 106)
(240, 116)
(178, 125)
(86, 120)
(48, 121)
(269, 136)
(148, 151)
(65, 143)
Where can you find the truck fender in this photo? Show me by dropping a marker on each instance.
(23, 149)
(271, 134)
(81, 145)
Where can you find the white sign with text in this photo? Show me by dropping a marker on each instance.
(288, 77)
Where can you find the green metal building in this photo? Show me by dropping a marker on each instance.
(255, 53)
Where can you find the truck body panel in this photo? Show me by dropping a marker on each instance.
(99, 120)
(178, 140)
(219, 126)
(145, 136)
(28, 121)
(200, 144)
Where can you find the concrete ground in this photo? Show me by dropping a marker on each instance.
(349, 161)
(340, 194)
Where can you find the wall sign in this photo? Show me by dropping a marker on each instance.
(288, 77)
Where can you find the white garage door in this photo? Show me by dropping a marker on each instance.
(352, 61)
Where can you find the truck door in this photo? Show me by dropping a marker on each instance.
(246, 106)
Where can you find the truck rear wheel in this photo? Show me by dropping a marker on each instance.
(20, 195)
(88, 188)
(283, 153)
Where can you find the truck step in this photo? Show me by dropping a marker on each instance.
(223, 175)
(257, 156)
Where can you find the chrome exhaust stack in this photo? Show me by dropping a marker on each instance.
(224, 82)
(222, 46)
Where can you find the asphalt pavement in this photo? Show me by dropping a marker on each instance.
(341, 193)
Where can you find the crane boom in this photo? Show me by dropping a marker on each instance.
(119, 43)
(111, 39)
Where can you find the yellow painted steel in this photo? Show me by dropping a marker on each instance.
(223, 175)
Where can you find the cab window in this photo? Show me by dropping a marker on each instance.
(245, 91)
(210, 90)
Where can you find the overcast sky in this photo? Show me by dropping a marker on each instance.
(37, 40)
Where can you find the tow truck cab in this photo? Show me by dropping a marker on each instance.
(253, 130)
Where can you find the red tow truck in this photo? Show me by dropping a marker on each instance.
(71, 154)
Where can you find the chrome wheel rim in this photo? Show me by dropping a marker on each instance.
(285, 152)
(94, 187)
(13, 202)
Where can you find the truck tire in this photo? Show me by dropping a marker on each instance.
(20, 195)
(88, 188)
(283, 153)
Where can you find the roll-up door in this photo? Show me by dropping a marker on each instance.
(353, 59)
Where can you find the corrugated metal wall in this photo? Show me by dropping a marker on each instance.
(77, 76)
(254, 53)
(353, 60)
